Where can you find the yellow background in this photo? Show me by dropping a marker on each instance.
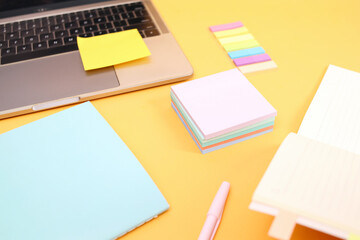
(303, 37)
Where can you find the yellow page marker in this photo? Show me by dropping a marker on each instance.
(238, 38)
(111, 49)
(353, 237)
(231, 32)
(234, 46)
(283, 225)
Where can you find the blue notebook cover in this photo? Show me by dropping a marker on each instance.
(69, 177)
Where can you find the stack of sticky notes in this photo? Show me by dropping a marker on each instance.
(242, 47)
(222, 109)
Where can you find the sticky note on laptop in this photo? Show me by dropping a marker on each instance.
(111, 49)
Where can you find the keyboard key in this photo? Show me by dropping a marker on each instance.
(86, 35)
(7, 51)
(86, 22)
(12, 35)
(115, 30)
(139, 20)
(120, 23)
(127, 15)
(31, 39)
(151, 33)
(76, 31)
(23, 48)
(30, 24)
(100, 33)
(39, 45)
(136, 6)
(99, 20)
(90, 14)
(69, 40)
(46, 36)
(42, 30)
(3, 44)
(15, 42)
(61, 34)
(2, 37)
(26, 33)
(71, 25)
(103, 26)
(91, 28)
(55, 43)
(77, 16)
(57, 27)
(120, 9)
(110, 18)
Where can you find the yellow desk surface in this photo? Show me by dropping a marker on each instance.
(303, 37)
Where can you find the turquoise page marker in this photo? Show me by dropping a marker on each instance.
(246, 52)
(69, 176)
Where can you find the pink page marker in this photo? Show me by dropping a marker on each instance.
(215, 213)
(252, 59)
(227, 26)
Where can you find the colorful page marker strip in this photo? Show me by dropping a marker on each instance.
(242, 47)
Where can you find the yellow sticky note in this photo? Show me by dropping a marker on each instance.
(353, 237)
(111, 49)
(231, 32)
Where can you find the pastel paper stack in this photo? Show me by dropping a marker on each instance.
(242, 47)
(222, 109)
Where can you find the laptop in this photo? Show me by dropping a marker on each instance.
(40, 65)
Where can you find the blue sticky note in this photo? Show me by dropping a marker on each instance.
(246, 52)
(69, 176)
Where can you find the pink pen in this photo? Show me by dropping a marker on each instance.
(213, 217)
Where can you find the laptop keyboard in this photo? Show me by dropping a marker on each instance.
(57, 34)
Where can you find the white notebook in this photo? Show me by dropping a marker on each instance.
(314, 178)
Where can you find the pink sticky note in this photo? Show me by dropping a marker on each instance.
(252, 59)
(228, 26)
(222, 102)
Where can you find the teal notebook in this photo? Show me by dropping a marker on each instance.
(70, 177)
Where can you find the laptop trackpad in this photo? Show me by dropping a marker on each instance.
(50, 78)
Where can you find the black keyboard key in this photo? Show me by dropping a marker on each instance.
(86, 35)
(76, 31)
(23, 48)
(61, 34)
(17, 27)
(51, 21)
(39, 45)
(99, 20)
(46, 36)
(71, 25)
(42, 30)
(115, 30)
(26, 33)
(7, 52)
(103, 26)
(127, 15)
(117, 17)
(55, 43)
(129, 27)
(139, 20)
(86, 22)
(120, 23)
(110, 18)
(77, 16)
(3, 44)
(2, 37)
(134, 6)
(12, 35)
(66, 18)
(91, 28)
(101, 13)
(31, 39)
(120, 9)
(30, 24)
(57, 27)
(69, 40)
(100, 33)
(90, 14)
(59, 19)
(151, 33)
(15, 42)
(9, 58)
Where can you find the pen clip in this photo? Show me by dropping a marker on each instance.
(217, 225)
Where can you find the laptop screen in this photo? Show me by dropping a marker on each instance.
(10, 8)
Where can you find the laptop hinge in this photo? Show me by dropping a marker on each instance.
(56, 103)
